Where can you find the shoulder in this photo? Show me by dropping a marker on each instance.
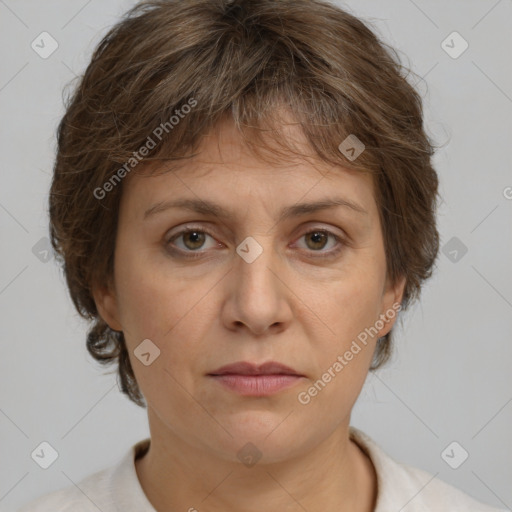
(80, 498)
(430, 493)
(103, 490)
(403, 487)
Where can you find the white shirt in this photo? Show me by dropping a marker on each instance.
(400, 488)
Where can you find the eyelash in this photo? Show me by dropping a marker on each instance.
(197, 254)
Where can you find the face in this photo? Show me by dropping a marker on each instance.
(252, 285)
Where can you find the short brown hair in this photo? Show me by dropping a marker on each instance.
(243, 59)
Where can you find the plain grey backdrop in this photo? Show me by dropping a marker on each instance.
(450, 379)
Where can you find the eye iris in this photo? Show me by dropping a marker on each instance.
(195, 239)
(317, 237)
(194, 235)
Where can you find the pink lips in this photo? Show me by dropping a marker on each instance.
(248, 379)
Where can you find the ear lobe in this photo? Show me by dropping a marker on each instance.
(391, 301)
(398, 291)
(106, 304)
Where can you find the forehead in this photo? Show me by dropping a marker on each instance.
(227, 170)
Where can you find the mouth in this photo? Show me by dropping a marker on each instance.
(245, 368)
(248, 379)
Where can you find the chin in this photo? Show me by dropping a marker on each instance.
(261, 432)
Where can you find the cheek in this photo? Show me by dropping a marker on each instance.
(344, 346)
(165, 314)
(345, 310)
(149, 302)
(347, 305)
(172, 313)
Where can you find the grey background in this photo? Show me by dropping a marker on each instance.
(450, 379)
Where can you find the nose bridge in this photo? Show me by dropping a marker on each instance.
(256, 258)
(256, 290)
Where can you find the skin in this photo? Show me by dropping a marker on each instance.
(289, 305)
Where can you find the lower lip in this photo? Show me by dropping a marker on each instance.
(257, 385)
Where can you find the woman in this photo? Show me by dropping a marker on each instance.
(243, 201)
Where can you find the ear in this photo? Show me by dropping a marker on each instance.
(391, 304)
(106, 302)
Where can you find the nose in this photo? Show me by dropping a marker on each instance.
(257, 295)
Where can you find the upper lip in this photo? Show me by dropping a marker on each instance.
(245, 368)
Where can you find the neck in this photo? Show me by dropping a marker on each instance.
(334, 476)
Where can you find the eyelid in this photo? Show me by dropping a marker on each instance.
(336, 232)
(201, 227)
(187, 229)
(340, 239)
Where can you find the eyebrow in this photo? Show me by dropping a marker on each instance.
(209, 208)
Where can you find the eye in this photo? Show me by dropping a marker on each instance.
(318, 239)
(192, 238)
(193, 242)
